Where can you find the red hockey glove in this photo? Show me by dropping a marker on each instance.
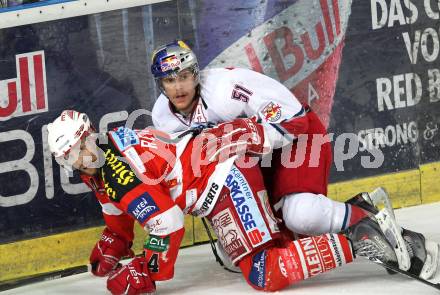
(131, 279)
(237, 137)
(108, 251)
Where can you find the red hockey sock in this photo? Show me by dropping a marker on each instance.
(355, 215)
(274, 268)
(321, 253)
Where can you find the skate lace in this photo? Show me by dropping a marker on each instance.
(369, 249)
(409, 246)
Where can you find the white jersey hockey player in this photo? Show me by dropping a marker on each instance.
(190, 98)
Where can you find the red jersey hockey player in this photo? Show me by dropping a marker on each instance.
(136, 177)
(298, 188)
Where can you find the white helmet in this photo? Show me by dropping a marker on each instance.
(65, 132)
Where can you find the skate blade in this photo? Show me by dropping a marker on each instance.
(430, 270)
(393, 233)
(393, 268)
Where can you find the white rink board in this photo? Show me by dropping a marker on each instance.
(37, 14)
(198, 274)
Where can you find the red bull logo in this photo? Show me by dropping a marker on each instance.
(301, 47)
(170, 63)
(272, 112)
(27, 93)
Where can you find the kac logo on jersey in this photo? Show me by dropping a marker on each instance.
(28, 89)
(124, 137)
(143, 207)
(247, 208)
(257, 275)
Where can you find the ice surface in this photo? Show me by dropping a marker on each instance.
(198, 273)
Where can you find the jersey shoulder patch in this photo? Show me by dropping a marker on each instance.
(123, 138)
(271, 112)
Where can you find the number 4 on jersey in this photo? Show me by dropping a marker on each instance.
(153, 263)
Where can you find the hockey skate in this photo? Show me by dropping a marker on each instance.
(380, 240)
(369, 241)
(373, 201)
(425, 257)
